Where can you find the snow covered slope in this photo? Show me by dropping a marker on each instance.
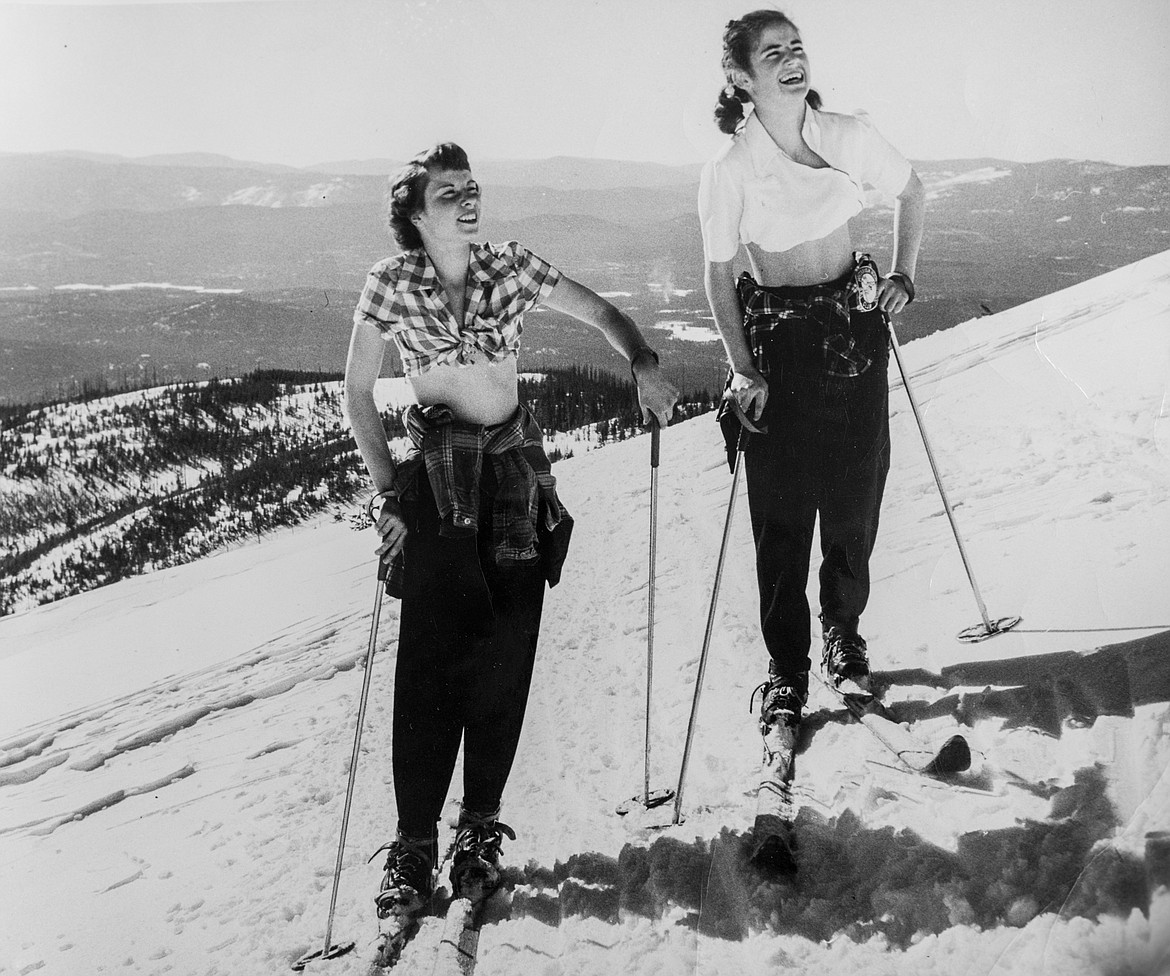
(173, 748)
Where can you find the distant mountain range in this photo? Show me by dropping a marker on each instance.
(293, 247)
(68, 184)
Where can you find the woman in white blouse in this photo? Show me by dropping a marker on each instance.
(806, 340)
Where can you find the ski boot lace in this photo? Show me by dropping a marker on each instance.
(777, 694)
(404, 863)
(483, 838)
(772, 689)
(762, 690)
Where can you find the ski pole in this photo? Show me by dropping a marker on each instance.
(655, 441)
(331, 951)
(682, 773)
(656, 798)
(990, 627)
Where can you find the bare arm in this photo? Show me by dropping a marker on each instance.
(748, 387)
(656, 394)
(363, 366)
(909, 219)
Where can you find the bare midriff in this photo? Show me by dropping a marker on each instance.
(482, 392)
(808, 263)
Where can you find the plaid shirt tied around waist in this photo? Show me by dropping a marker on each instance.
(404, 299)
(527, 518)
(816, 322)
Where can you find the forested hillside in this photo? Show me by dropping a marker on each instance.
(109, 485)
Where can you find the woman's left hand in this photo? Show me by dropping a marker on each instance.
(391, 527)
(892, 296)
(657, 396)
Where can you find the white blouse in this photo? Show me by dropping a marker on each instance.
(753, 192)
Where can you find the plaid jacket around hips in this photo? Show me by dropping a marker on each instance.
(404, 298)
(818, 323)
(525, 511)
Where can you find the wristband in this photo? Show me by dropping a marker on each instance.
(642, 351)
(388, 493)
(904, 280)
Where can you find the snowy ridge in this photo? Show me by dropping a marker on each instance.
(941, 182)
(98, 489)
(174, 747)
(161, 286)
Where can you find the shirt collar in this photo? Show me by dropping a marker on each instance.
(486, 265)
(763, 149)
(418, 274)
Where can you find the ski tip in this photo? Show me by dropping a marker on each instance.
(953, 757)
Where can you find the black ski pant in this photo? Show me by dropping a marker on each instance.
(826, 452)
(466, 650)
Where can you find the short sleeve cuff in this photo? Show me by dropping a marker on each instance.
(886, 169)
(538, 277)
(720, 210)
(374, 304)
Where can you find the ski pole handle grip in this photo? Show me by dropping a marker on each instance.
(655, 441)
(383, 570)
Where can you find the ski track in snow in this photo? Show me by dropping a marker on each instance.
(173, 766)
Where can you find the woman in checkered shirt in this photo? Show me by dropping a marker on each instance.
(470, 521)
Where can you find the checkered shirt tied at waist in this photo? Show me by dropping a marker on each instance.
(404, 298)
(821, 312)
(451, 454)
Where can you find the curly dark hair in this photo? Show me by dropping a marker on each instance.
(404, 198)
(739, 40)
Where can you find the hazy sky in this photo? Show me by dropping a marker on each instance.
(316, 80)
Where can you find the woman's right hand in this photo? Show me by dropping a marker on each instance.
(392, 528)
(750, 391)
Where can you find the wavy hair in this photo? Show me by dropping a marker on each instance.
(739, 40)
(404, 198)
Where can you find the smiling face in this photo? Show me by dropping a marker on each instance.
(450, 210)
(779, 65)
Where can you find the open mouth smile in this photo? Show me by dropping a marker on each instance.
(792, 78)
(471, 218)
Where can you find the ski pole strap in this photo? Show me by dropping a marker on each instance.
(742, 417)
(388, 493)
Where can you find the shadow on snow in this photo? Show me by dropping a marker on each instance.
(855, 881)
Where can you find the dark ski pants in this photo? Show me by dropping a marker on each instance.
(826, 452)
(466, 650)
